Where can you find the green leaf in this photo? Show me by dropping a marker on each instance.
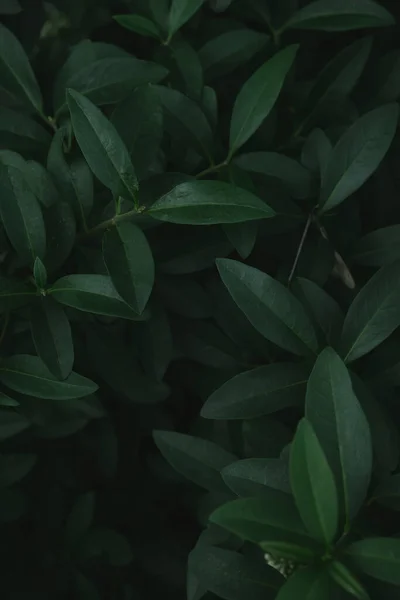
(258, 392)
(109, 80)
(258, 96)
(222, 54)
(51, 333)
(269, 306)
(106, 543)
(130, 263)
(184, 296)
(272, 517)
(307, 584)
(293, 175)
(313, 484)
(341, 15)
(39, 273)
(323, 310)
(388, 492)
(105, 152)
(345, 578)
(9, 7)
(139, 121)
(358, 154)
(5, 400)
(186, 71)
(29, 375)
(316, 152)
(21, 215)
(199, 460)
(253, 476)
(61, 235)
(74, 181)
(139, 25)
(21, 133)
(378, 557)
(79, 520)
(232, 576)
(185, 121)
(180, 12)
(11, 423)
(91, 293)
(14, 467)
(373, 315)
(16, 73)
(378, 248)
(41, 183)
(209, 203)
(342, 429)
(14, 293)
(243, 237)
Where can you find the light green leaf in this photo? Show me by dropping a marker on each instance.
(345, 578)
(28, 375)
(258, 392)
(209, 203)
(51, 333)
(130, 264)
(180, 12)
(254, 476)
(21, 215)
(199, 460)
(258, 96)
(341, 15)
(91, 293)
(313, 484)
(358, 154)
(378, 557)
(231, 575)
(222, 54)
(269, 306)
(292, 174)
(139, 121)
(11, 423)
(139, 25)
(16, 74)
(378, 248)
(105, 152)
(342, 429)
(373, 315)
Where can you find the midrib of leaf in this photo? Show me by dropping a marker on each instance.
(63, 384)
(95, 295)
(20, 82)
(212, 204)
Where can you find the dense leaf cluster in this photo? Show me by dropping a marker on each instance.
(199, 299)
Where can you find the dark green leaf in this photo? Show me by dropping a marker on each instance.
(251, 477)
(358, 154)
(184, 296)
(269, 306)
(79, 519)
(313, 484)
(258, 96)
(199, 460)
(232, 576)
(14, 293)
(209, 203)
(295, 177)
(378, 248)
(373, 315)
(9, 7)
(342, 429)
(139, 25)
(130, 263)
(21, 215)
(388, 492)
(242, 236)
(106, 543)
(341, 15)
(14, 467)
(138, 120)
(39, 273)
(41, 183)
(261, 391)
(52, 337)
(16, 73)
(91, 293)
(307, 584)
(180, 12)
(316, 152)
(21, 133)
(28, 375)
(224, 53)
(11, 423)
(61, 234)
(102, 147)
(377, 557)
(345, 578)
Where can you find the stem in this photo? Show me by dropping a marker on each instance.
(48, 120)
(212, 169)
(300, 248)
(107, 224)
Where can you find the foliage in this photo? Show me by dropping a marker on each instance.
(199, 299)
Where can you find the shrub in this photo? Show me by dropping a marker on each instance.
(199, 269)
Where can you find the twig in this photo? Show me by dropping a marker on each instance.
(300, 248)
